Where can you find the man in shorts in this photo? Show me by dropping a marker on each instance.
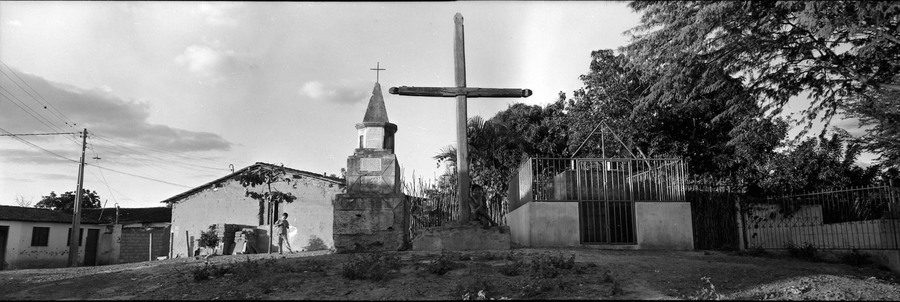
(282, 226)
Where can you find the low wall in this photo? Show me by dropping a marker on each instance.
(545, 224)
(868, 234)
(659, 225)
(664, 225)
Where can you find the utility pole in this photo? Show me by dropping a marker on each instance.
(76, 215)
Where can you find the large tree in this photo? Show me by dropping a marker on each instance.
(66, 202)
(836, 51)
(721, 133)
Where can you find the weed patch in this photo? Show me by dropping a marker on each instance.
(443, 264)
(855, 258)
(707, 291)
(203, 273)
(807, 252)
(370, 266)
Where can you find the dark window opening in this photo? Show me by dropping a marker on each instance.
(40, 236)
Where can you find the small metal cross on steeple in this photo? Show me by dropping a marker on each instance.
(377, 69)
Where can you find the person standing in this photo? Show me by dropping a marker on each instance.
(283, 226)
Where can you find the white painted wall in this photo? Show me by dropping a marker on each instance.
(20, 254)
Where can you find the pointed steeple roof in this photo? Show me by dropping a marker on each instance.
(376, 112)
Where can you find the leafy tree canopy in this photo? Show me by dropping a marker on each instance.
(66, 202)
(837, 51)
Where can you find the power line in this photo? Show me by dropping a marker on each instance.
(38, 147)
(75, 161)
(17, 101)
(163, 159)
(139, 176)
(97, 159)
(62, 117)
(30, 134)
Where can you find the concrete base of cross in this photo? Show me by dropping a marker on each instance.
(463, 237)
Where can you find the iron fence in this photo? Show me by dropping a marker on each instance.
(854, 218)
(566, 179)
(714, 218)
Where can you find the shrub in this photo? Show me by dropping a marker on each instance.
(806, 252)
(533, 287)
(616, 288)
(369, 266)
(203, 273)
(855, 258)
(512, 268)
(209, 238)
(607, 277)
(315, 244)
(443, 264)
(546, 266)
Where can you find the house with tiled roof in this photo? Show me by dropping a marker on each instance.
(39, 238)
(225, 204)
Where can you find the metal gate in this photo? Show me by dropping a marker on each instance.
(605, 203)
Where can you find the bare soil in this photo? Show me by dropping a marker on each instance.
(597, 274)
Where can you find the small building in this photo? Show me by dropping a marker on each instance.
(132, 234)
(224, 203)
(39, 238)
(617, 203)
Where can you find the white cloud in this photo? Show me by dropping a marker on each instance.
(219, 13)
(14, 22)
(210, 61)
(345, 92)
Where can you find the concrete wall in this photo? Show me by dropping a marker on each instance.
(868, 234)
(659, 225)
(20, 254)
(664, 225)
(310, 215)
(545, 224)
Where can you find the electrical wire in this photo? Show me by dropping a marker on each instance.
(61, 116)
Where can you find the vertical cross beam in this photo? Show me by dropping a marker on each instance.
(377, 69)
(462, 164)
(461, 93)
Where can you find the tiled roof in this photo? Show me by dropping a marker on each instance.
(13, 213)
(128, 215)
(187, 193)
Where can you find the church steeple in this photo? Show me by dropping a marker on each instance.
(376, 131)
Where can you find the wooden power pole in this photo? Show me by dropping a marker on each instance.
(76, 215)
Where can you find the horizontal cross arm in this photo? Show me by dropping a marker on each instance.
(472, 92)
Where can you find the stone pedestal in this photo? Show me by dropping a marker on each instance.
(462, 238)
(368, 223)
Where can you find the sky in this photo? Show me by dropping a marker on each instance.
(175, 94)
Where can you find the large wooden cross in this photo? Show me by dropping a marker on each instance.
(461, 92)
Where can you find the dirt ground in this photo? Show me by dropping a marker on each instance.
(596, 274)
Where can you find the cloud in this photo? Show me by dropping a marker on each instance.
(343, 92)
(14, 22)
(35, 157)
(218, 14)
(210, 62)
(100, 111)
